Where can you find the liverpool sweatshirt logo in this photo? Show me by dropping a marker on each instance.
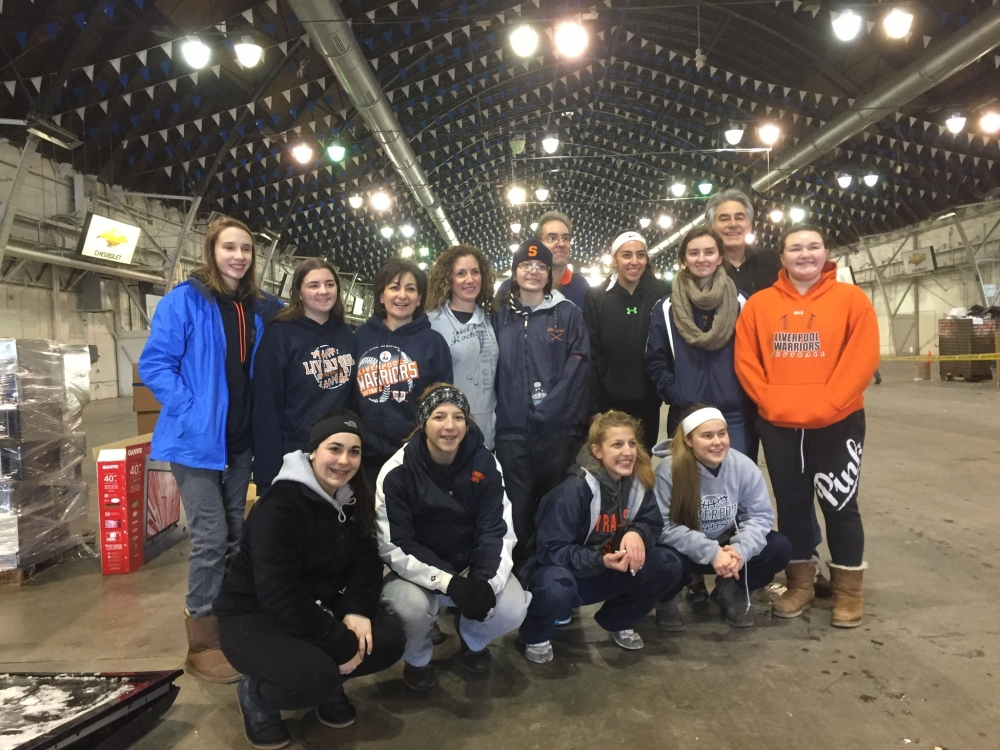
(330, 369)
(386, 372)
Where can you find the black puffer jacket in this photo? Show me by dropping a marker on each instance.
(304, 562)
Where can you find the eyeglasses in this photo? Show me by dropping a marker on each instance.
(533, 267)
(551, 239)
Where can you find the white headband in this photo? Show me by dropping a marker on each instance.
(624, 237)
(699, 417)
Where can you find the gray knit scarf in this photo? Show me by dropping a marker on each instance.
(720, 295)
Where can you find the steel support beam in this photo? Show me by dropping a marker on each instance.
(135, 301)
(27, 156)
(976, 276)
(885, 296)
(16, 249)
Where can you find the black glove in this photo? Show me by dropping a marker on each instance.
(474, 599)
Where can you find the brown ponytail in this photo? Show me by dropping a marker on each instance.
(685, 492)
(604, 422)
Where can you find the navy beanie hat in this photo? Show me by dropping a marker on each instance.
(531, 249)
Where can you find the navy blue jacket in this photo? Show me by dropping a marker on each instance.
(184, 365)
(683, 374)
(394, 368)
(549, 345)
(567, 516)
(434, 522)
(302, 370)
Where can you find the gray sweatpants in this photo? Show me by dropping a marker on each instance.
(417, 608)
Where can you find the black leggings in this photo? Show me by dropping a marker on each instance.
(293, 673)
(827, 462)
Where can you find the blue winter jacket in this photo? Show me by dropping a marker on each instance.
(184, 365)
(567, 515)
(683, 374)
(548, 345)
(394, 368)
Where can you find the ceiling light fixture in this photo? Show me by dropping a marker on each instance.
(571, 39)
(387, 232)
(705, 187)
(524, 41)
(407, 230)
(550, 143)
(750, 238)
(380, 200)
(516, 195)
(302, 152)
(664, 222)
(797, 214)
(871, 179)
(541, 194)
(769, 133)
(644, 222)
(533, 225)
(248, 52)
(955, 123)
(846, 25)
(514, 246)
(406, 252)
(196, 53)
(734, 134)
(355, 200)
(606, 260)
(422, 266)
(897, 23)
(424, 252)
(677, 189)
(336, 152)
(844, 180)
(517, 142)
(515, 227)
(990, 122)
(777, 215)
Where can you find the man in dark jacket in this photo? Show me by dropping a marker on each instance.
(730, 213)
(617, 314)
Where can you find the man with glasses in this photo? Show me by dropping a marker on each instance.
(556, 233)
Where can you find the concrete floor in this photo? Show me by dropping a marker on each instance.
(921, 671)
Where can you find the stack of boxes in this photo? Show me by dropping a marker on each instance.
(43, 498)
(145, 406)
(121, 476)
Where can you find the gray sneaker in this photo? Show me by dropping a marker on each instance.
(539, 653)
(628, 639)
(668, 615)
(734, 602)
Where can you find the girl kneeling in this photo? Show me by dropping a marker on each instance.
(445, 530)
(299, 608)
(717, 515)
(596, 541)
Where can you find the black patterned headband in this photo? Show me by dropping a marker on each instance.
(449, 394)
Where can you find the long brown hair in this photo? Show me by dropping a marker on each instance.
(440, 277)
(295, 308)
(685, 491)
(612, 418)
(209, 273)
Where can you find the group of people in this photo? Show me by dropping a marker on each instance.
(493, 453)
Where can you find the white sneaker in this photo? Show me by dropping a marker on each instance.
(539, 653)
(628, 639)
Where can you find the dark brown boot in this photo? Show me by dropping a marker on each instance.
(848, 596)
(204, 657)
(800, 593)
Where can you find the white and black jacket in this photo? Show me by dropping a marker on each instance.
(434, 522)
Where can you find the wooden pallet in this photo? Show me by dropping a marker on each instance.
(18, 577)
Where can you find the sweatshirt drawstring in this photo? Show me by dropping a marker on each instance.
(802, 451)
(746, 581)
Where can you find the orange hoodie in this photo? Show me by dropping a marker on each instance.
(806, 360)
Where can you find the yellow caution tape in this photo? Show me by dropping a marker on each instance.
(944, 358)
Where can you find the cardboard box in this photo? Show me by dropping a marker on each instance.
(143, 399)
(120, 497)
(136, 380)
(146, 421)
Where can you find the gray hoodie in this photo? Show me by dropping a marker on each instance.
(738, 496)
(474, 357)
(297, 468)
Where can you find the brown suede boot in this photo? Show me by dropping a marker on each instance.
(800, 592)
(848, 600)
(204, 658)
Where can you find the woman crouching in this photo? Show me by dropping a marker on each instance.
(717, 515)
(299, 608)
(596, 541)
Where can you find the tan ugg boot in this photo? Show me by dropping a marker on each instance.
(204, 657)
(800, 592)
(848, 599)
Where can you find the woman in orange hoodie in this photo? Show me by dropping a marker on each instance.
(805, 350)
